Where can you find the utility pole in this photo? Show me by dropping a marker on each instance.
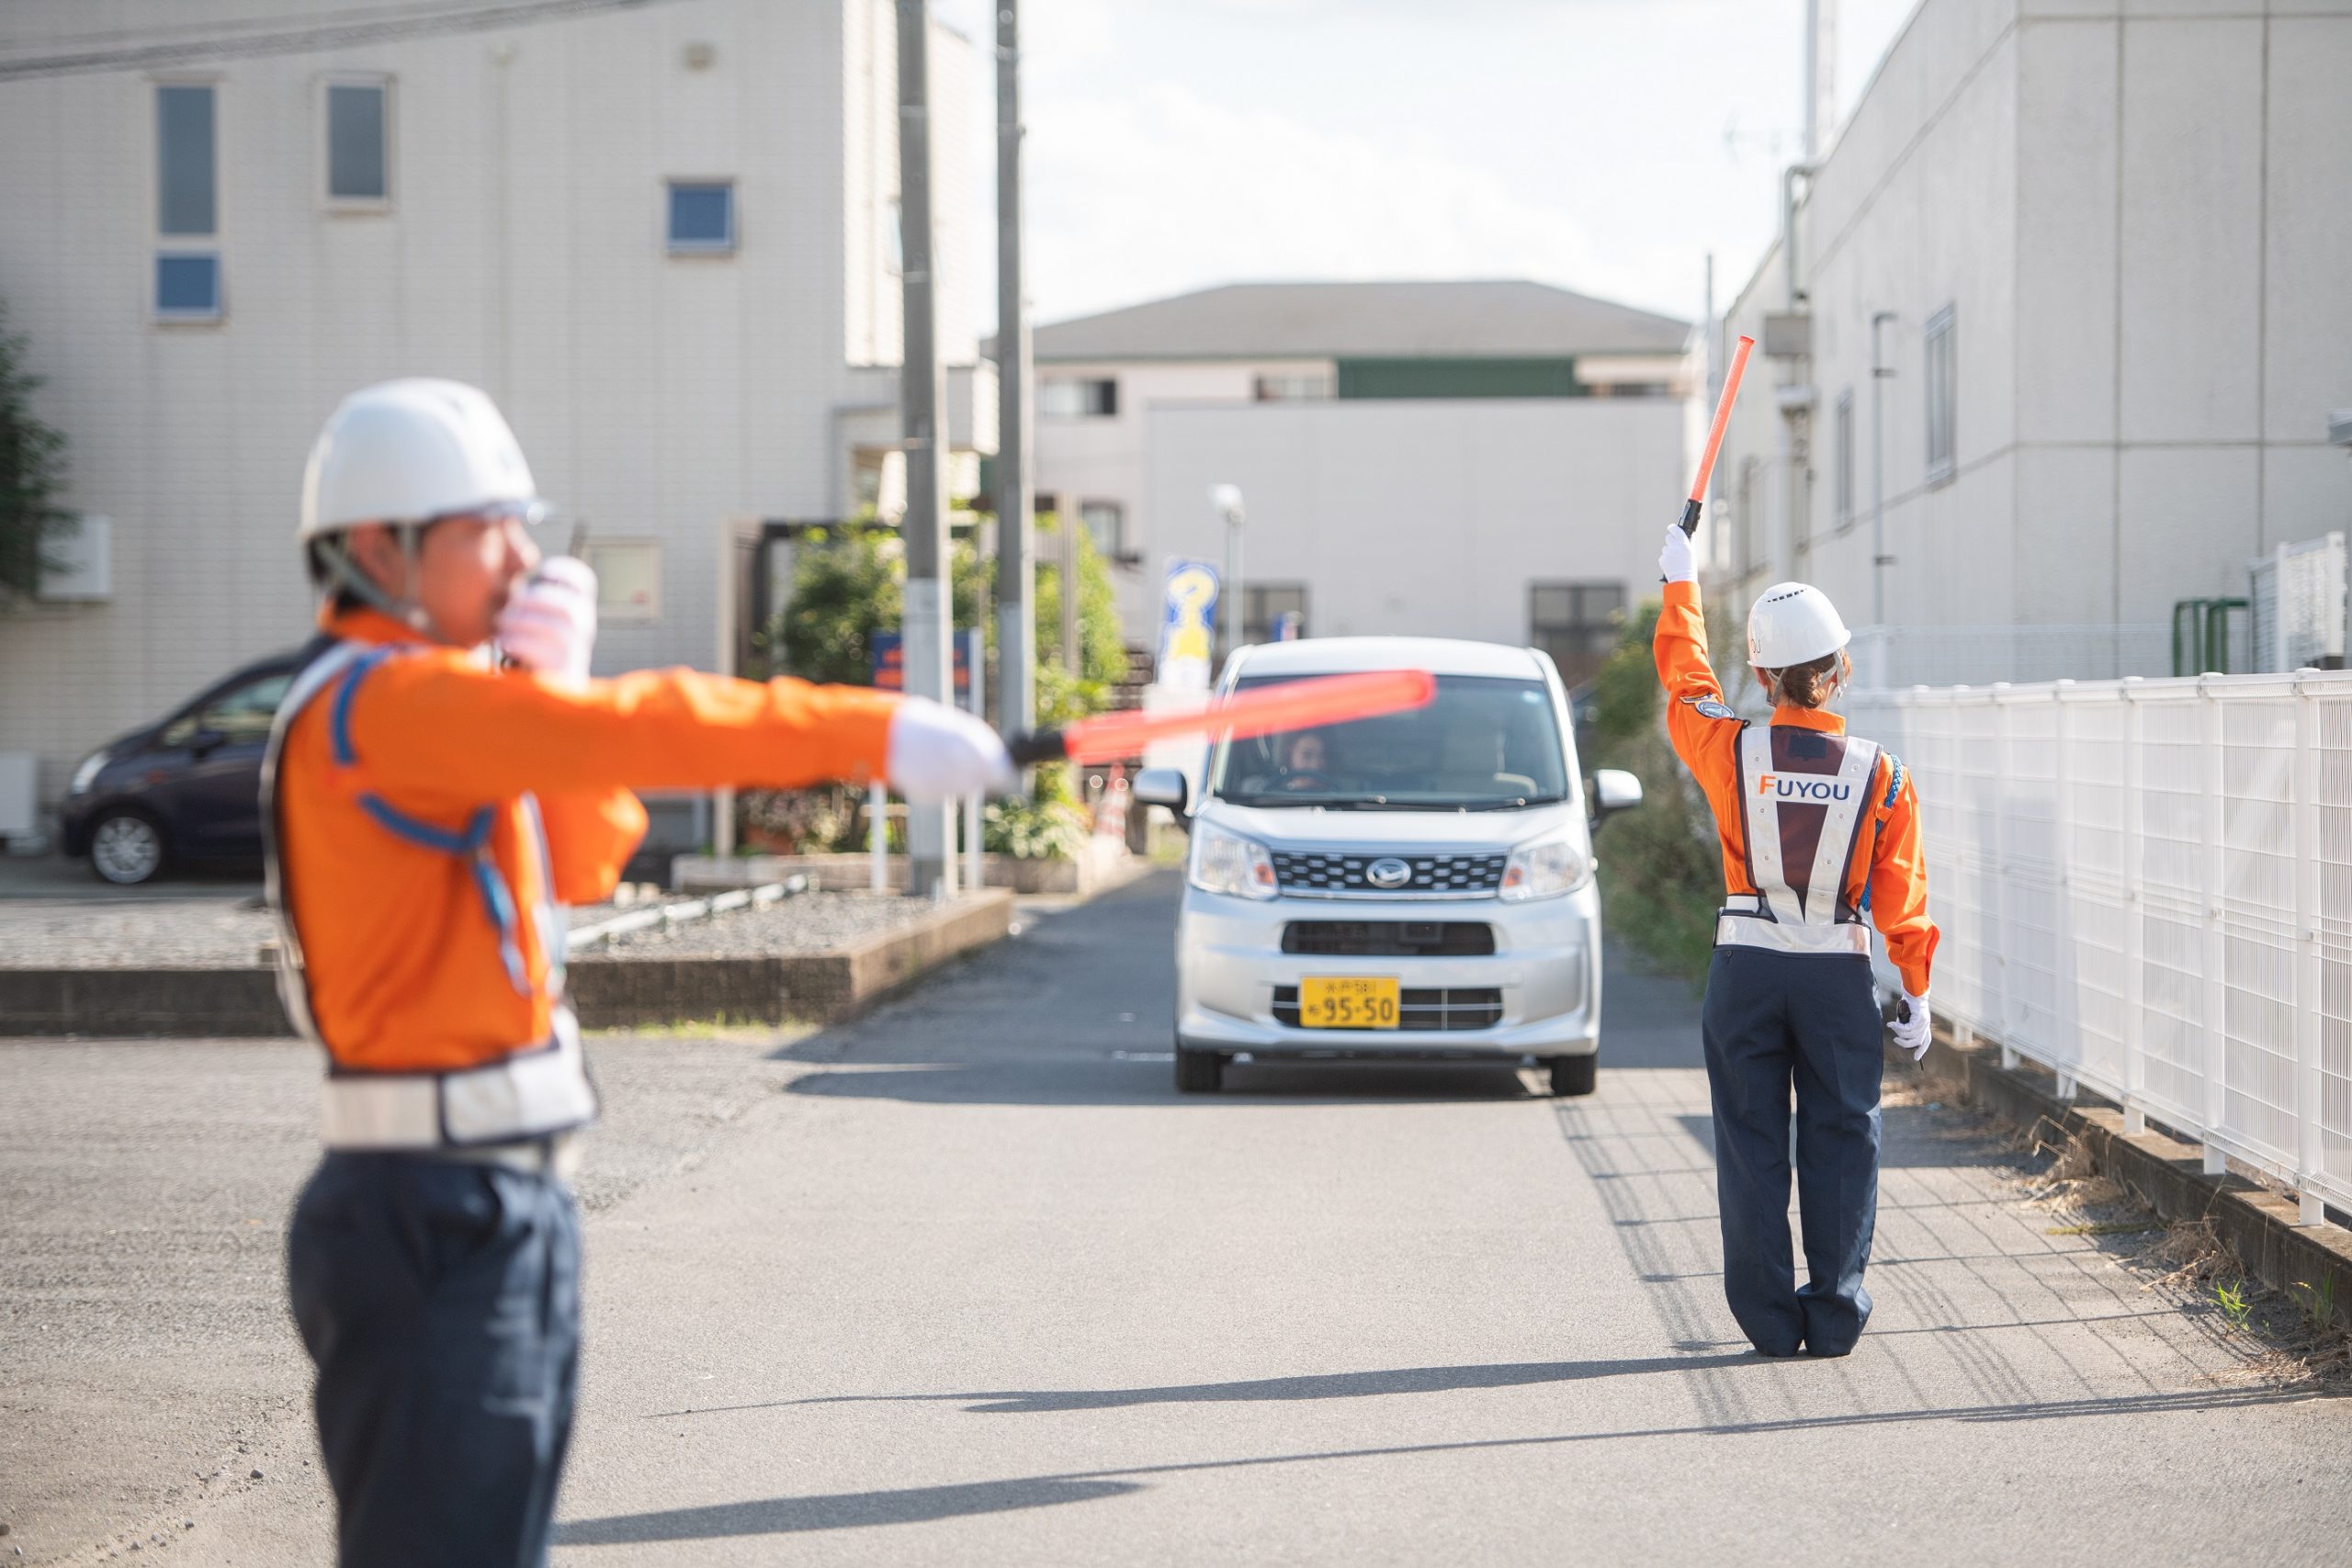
(922, 382)
(1016, 544)
(1227, 501)
(1073, 664)
(1820, 76)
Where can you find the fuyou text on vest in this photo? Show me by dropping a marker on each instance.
(1781, 786)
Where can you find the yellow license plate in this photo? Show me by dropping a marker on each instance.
(1347, 1002)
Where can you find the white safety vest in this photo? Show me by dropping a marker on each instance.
(1777, 915)
(533, 1092)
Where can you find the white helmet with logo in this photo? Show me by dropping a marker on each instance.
(409, 451)
(1793, 623)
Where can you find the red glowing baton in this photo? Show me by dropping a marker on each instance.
(1716, 434)
(1294, 704)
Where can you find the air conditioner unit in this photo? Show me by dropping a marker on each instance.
(2298, 605)
(1788, 335)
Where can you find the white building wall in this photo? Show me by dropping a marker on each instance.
(1428, 518)
(2128, 207)
(1102, 459)
(523, 250)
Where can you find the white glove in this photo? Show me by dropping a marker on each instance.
(550, 624)
(1675, 558)
(938, 752)
(1911, 1027)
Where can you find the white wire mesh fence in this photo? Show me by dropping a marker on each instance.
(2147, 885)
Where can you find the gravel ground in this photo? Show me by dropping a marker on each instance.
(202, 933)
(811, 923)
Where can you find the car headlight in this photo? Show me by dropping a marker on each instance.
(1546, 868)
(1227, 862)
(87, 773)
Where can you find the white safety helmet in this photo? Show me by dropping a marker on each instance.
(1793, 623)
(409, 451)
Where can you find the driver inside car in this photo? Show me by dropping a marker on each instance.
(1307, 759)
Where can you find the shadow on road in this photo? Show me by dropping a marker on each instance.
(778, 1516)
(1326, 1386)
(1079, 1009)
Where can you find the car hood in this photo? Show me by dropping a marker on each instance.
(1309, 828)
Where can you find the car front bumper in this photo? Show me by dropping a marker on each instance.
(1545, 965)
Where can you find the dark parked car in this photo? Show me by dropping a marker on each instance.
(185, 789)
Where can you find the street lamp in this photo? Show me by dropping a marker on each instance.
(1225, 501)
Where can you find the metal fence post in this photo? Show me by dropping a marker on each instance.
(2003, 838)
(2213, 820)
(2066, 1009)
(2135, 923)
(2304, 792)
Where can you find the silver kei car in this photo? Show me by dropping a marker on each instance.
(1417, 885)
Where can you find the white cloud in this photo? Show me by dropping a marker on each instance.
(1164, 190)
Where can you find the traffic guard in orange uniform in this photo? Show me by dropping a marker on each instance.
(1820, 834)
(431, 803)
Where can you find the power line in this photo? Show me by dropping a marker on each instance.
(345, 33)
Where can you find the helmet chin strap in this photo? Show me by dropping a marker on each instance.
(348, 576)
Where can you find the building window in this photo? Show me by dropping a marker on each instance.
(702, 216)
(1106, 525)
(1294, 389)
(1265, 604)
(1943, 384)
(1071, 396)
(187, 225)
(894, 240)
(1577, 624)
(628, 580)
(1844, 457)
(359, 144)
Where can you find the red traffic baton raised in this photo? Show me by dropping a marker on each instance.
(1715, 433)
(1292, 705)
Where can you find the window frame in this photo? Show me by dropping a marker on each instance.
(616, 613)
(674, 246)
(1089, 406)
(1602, 632)
(381, 82)
(1117, 550)
(1940, 375)
(1253, 599)
(171, 245)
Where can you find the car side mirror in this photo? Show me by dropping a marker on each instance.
(205, 742)
(1163, 787)
(1613, 790)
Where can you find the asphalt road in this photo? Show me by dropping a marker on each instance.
(966, 1283)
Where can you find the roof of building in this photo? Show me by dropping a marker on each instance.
(1314, 320)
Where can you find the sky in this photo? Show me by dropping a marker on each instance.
(1603, 145)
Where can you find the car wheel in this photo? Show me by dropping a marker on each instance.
(1576, 1075)
(126, 848)
(1198, 1072)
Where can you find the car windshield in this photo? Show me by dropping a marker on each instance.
(1485, 743)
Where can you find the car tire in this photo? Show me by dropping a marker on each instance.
(127, 848)
(1198, 1072)
(1576, 1075)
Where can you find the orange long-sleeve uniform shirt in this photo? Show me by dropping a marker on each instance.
(1706, 736)
(404, 960)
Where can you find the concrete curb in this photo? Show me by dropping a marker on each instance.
(2259, 1225)
(607, 992)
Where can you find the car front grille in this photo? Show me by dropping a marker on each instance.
(1390, 939)
(1344, 871)
(1463, 1007)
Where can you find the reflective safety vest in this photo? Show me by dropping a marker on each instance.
(533, 1091)
(1804, 821)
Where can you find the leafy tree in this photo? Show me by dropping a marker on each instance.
(848, 585)
(1661, 871)
(32, 472)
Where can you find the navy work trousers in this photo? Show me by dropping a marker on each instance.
(440, 1302)
(1774, 1021)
